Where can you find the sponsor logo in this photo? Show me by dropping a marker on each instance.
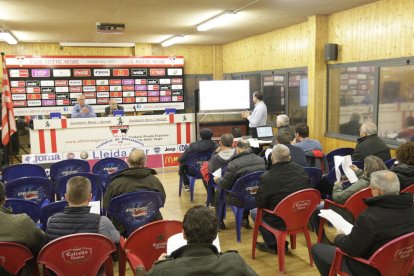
(75, 96)
(170, 149)
(182, 147)
(41, 73)
(17, 84)
(165, 81)
(140, 81)
(61, 72)
(165, 87)
(165, 99)
(28, 195)
(101, 72)
(177, 98)
(115, 82)
(140, 93)
(157, 72)
(48, 96)
(102, 94)
(33, 83)
(137, 211)
(252, 190)
(75, 89)
(61, 83)
(140, 87)
(90, 101)
(47, 83)
(153, 87)
(75, 82)
(103, 100)
(177, 86)
(127, 81)
(33, 89)
(102, 88)
(153, 99)
(34, 103)
(88, 82)
(128, 94)
(165, 93)
(48, 102)
(139, 72)
(141, 99)
(34, 96)
(153, 93)
(302, 205)
(115, 94)
(102, 82)
(176, 81)
(120, 72)
(90, 95)
(22, 73)
(128, 100)
(175, 72)
(84, 155)
(18, 90)
(171, 159)
(109, 153)
(89, 88)
(81, 72)
(157, 150)
(128, 88)
(19, 103)
(63, 102)
(153, 81)
(48, 89)
(76, 255)
(177, 93)
(115, 88)
(62, 89)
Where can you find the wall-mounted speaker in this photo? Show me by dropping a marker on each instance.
(331, 51)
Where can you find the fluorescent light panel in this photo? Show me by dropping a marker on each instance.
(8, 37)
(171, 41)
(97, 44)
(219, 20)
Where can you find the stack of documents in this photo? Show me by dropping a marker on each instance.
(337, 220)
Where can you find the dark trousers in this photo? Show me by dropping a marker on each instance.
(253, 132)
(268, 236)
(182, 173)
(323, 256)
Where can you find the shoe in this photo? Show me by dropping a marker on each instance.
(187, 188)
(222, 226)
(245, 223)
(263, 247)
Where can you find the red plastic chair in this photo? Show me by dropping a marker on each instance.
(393, 258)
(14, 256)
(354, 204)
(146, 244)
(409, 189)
(77, 254)
(295, 210)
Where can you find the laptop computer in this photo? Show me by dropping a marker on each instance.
(265, 133)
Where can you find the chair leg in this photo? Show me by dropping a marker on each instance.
(309, 244)
(109, 270)
(180, 185)
(255, 234)
(121, 262)
(238, 212)
(192, 183)
(281, 238)
(320, 230)
(293, 241)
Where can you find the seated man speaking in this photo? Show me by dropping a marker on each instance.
(82, 110)
(113, 105)
(389, 215)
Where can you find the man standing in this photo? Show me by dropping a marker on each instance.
(76, 217)
(113, 105)
(284, 178)
(82, 110)
(259, 115)
(200, 256)
(244, 162)
(389, 215)
(370, 144)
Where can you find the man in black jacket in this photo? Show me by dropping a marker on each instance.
(389, 215)
(284, 178)
(244, 162)
(370, 144)
(297, 154)
(205, 144)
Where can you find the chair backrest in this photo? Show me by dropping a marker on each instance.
(395, 257)
(340, 152)
(107, 166)
(316, 158)
(135, 209)
(150, 241)
(66, 167)
(14, 256)
(96, 184)
(195, 160)
(22, 170)
(49, 210)
(315, 176)
(390, 162)
(409, 189)
(33, 188)
(245, 189)
(355, 203)
(296, 209)
(21, 206)
(78, 254)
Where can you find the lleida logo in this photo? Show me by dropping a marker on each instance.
(137, 212)
(75, 255)
(300, 206)
(28, 195)
(119, 131)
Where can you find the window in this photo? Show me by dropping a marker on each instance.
(298, 98)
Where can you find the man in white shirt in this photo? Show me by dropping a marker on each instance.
(258, 116)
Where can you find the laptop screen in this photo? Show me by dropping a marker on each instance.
(264, 132)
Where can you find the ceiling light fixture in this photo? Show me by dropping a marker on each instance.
(98, 44)
(8, 37)
(173, 40)
(218, 20)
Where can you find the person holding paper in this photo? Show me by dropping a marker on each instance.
(259, 115)
(82, 110)
(76, 217)
(200, 256)
(389, 215)
(113, 105)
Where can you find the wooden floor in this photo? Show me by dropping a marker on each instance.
(297, 260)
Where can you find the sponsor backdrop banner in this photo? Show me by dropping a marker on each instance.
(40, 85)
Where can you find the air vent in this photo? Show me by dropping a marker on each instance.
(110, 28)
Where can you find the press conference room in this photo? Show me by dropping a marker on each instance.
(95, 80)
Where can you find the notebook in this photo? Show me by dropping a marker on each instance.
(264, 133)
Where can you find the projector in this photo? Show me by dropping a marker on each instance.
(110, 28)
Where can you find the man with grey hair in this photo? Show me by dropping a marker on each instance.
(282, 124)
(81, 109)
(389, 215)
(284, 178)
(370, 144)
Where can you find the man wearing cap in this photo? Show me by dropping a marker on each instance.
(205, 144)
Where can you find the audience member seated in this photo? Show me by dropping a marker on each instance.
(19, 229)
(282, 123)
(284, 178)
(302, 139)
(370, 144)
(244, 162)
(136, 177)
(82, 110)
(389, 215)
(405, 167)
(76, 218)
(297, 154)
(200, 256)
(371, 164)
(113, 105)
(351, 127)
(408, 132)
(205, 144)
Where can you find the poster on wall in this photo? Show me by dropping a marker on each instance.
(43, 84)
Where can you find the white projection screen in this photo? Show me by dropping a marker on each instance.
(224, 95)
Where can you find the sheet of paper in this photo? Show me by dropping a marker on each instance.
(217, 173)
(338, 161)
(95, 207)
(254, 143)
(346, 167)
(337, 220)
(176, 241)
(268, 152)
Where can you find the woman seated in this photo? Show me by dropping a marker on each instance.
(404, 168)
(340, 193)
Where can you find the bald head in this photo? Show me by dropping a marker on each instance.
(242, 145)
(386, 182)
(280, 153)
(137, 158)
